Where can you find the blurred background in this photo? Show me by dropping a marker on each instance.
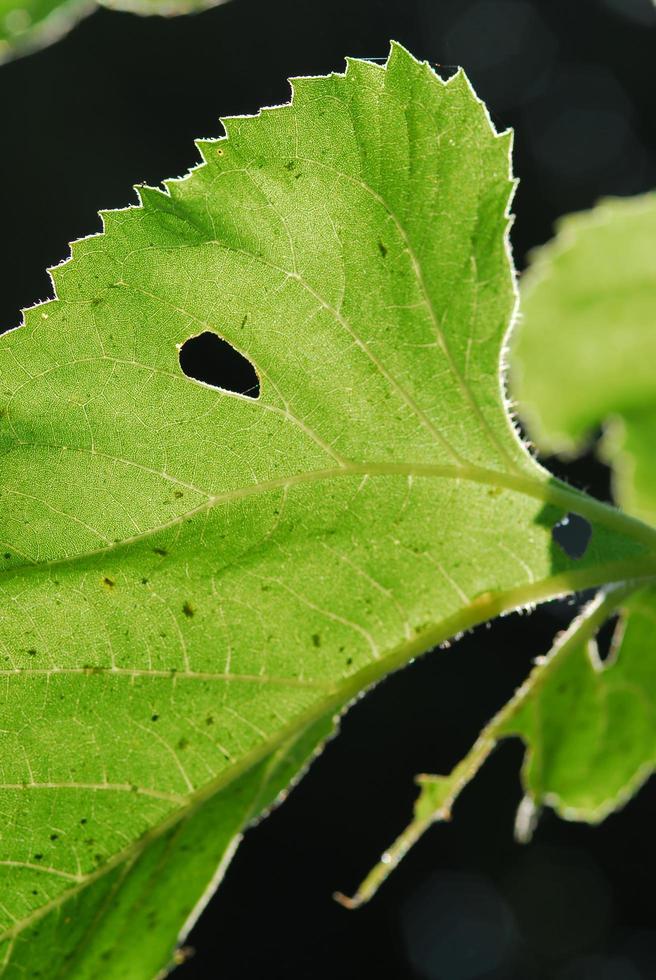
(118, 102)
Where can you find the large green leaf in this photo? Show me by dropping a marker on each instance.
(193, 578)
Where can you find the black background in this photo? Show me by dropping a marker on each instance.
(119, 102)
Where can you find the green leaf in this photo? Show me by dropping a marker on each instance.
(589, 729)
(26, 25)
(31, 24)
(603, 746)
(586, 349)
(194, 578)
(123, 924)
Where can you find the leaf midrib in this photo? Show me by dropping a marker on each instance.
(481, 609)
(549, 492)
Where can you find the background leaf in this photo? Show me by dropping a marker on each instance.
(26, 25)
(586, 349)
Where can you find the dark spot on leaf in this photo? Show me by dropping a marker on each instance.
(32, 653)
(96, 301)
(209, 720)
(215, 362)
(183, 743)
(382, 248)
(154, 717)
(178, 494)
(316, 640)
(109, 582)
(161, 551)
(7, 555)
(349, 661)
(573, 534)
(54, 837)
(188, 609)
(38, 857)
(83, 821)
(144, 581)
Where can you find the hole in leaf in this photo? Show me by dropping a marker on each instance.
(608, 639)
(573, 535)
(215, 362)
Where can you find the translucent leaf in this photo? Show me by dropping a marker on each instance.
(586, 350)
(193, 578)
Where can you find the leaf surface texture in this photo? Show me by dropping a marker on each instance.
(192, 579)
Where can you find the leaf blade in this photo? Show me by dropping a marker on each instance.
(195, 577)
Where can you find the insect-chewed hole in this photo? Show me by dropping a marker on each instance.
(608, 639)
(573, 535)
(215, 362)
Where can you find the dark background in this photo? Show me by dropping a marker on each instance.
(118, 102)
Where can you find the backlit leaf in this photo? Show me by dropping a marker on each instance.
(194, 579)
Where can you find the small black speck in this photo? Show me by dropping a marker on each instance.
(144, 581)
(188, 609)
(183, 743)
(161, 551)
(154, 717)
(178, 494)
(54, 837)
(32, 653)
(382, 248)
(209, 720)
(83, 821)
(316, 640)
(109, 582)
(38, 857)
(349, 661)
(7, 555)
